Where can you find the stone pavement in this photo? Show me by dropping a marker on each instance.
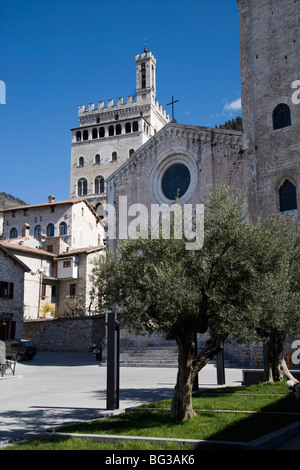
(56, 389)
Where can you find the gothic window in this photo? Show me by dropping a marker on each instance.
(37, 231)
(13, 233)
(82, 187)
(50, 230)
(78, 136)
(99, 185)
(281, 116)
(118, 129)
(128, 127)
(95, 133)
(97, 159)
(101, 132)
(111, 130)
(85, 135)
(135, 126)
(131, 152)
(81, 161)
(63, 228)
(287, 197)
(114, 156)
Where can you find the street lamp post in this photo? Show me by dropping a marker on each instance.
(113, 362)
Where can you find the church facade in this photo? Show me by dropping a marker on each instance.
(262, 161)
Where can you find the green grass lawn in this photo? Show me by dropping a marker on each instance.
(274, 405)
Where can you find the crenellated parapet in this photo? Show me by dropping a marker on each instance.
(145, 54)
(119, 105)
(91, 109)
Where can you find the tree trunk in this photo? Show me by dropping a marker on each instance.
(189, 365)
(275, 367)
(182, 407)
(268, 362)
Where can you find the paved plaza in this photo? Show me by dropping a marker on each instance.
(55, 389)
(58, 388)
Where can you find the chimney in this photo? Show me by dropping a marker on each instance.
(25, 230)
(51, 198)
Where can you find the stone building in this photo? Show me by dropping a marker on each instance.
(269, 56)
(12, 271)
(189, 158)
(72, 223)
(109, 135)
(57, 241)
(263, 161)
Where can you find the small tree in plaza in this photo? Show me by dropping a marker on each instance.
(158, 285)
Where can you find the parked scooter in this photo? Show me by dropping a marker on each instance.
(96, 350)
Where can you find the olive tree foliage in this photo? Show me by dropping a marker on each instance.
(158, 285)
(278, 293)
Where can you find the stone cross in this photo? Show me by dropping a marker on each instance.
(172, 103)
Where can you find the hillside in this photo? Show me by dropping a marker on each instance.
(8, 201)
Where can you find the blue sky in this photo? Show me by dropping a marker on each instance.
(58, 54)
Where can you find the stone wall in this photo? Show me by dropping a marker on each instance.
(269, 51)
(11, 307)
(65, 334)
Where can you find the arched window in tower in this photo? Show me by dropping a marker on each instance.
(99, 185)
(135, 126)
(118, 129)
(63, 228)
(281, 116)
(128, 127)
(95, 133)
(13, 233)
(101, 132)
(111, 130)
(287, 197)
(131, 152)
(97, 159)
(37, 231)
(82, 187)
(78, 136)
(50, 230)
(85, 135)
(114, 156)
(143, 75)
(81, 161)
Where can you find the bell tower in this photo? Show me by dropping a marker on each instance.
(145, 77)
(269, 51)
(110, 133)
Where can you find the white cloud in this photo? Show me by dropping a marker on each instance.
(234, 105)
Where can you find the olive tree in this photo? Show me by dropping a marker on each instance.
(158, 285)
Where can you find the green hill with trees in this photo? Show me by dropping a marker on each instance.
(8, 201)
